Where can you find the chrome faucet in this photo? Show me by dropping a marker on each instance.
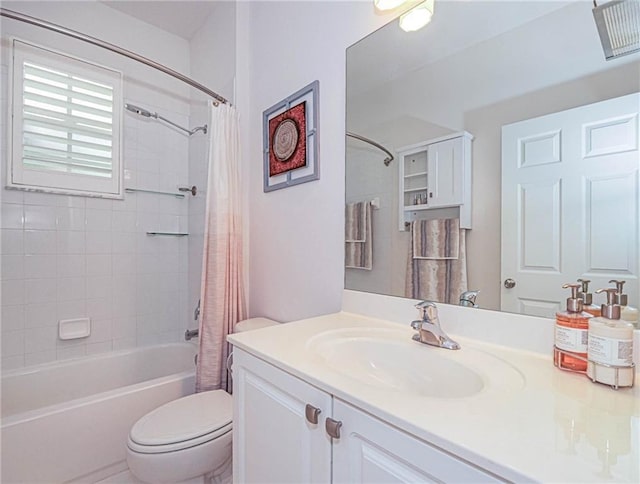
(468, 299)
(429, 330)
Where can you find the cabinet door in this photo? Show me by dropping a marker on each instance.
(273, 442)
(371, 451)
(445, 167)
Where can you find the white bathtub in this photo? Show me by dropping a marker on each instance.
(69, 421)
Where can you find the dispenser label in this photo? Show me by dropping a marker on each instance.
(572, 339)
(610, 351)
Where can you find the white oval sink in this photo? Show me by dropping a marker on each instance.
(388, 359)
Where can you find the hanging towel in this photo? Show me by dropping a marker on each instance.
(441, 280)
(355, 228)
(358, 236)
(436, 239)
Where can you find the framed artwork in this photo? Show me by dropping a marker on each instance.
(290, 140)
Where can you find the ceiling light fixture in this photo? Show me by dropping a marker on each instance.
(388, 4)
(417, 17)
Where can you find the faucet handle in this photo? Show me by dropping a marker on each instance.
(424, 304)
(428, 310)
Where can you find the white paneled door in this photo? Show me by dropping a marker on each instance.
(570, 204)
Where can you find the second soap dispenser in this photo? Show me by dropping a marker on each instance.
(627, 313)
(587, 299)
(610, 349)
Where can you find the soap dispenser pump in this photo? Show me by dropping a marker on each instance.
(610, 348)
(571, 334)
(587, 299)
(627, 313)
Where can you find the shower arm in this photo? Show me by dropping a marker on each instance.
(188, 131)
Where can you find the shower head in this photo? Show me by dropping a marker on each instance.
(140, 111)
(618, 23)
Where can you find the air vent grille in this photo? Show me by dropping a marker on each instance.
(618, 24)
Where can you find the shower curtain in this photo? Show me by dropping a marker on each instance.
(222, 288)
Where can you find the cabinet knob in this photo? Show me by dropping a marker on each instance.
(312, 413)
(333, 427)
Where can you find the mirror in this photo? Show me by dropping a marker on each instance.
(499, 71)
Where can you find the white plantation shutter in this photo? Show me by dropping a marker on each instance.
(66, 124)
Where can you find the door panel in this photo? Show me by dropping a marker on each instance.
(608, 220)
(539, 207)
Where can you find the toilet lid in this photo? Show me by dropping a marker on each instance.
(184, 419)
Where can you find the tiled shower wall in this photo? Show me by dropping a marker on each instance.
(70, 257)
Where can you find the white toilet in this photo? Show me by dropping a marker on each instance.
(187, 440)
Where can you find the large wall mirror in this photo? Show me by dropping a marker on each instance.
(523, 93)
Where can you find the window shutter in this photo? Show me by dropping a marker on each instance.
(66, 124)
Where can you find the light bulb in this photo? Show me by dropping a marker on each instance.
(417, 17)
(388, 4)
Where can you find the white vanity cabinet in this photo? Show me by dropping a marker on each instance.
(275, 442)
(436, 174)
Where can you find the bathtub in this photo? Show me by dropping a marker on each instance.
(69, 421)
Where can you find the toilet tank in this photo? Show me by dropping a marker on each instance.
(253, 323)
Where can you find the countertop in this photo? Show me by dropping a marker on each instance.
(536, 424)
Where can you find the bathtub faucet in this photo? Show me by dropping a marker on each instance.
(190, 333)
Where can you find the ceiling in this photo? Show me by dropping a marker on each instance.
(182, 18)
(390, 52)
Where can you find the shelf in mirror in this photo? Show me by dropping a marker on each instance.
(414, 175)
(170, 234)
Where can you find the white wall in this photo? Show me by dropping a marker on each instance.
(68, 257)
(296, 234)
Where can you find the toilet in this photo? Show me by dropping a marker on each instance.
(187, 440)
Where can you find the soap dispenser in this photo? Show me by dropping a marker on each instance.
(571, 334)
(627, 313)
(610, 348)
(587, 299)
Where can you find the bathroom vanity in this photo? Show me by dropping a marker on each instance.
(350, 398)
(304, 434)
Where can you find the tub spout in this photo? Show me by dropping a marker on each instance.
(190, 333)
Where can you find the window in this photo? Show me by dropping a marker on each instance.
(66, 124)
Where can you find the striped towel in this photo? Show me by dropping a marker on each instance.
(436, 239)
(440, 280)
(355, 228)
(358, 236)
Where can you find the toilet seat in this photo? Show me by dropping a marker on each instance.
(183, 423)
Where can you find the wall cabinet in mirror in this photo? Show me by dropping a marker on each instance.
(435, 174)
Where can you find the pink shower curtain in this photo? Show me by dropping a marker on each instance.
(222, 289)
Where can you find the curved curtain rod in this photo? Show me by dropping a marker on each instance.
(113, 48)
(387, 160)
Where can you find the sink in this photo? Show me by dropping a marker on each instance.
(389, 360)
